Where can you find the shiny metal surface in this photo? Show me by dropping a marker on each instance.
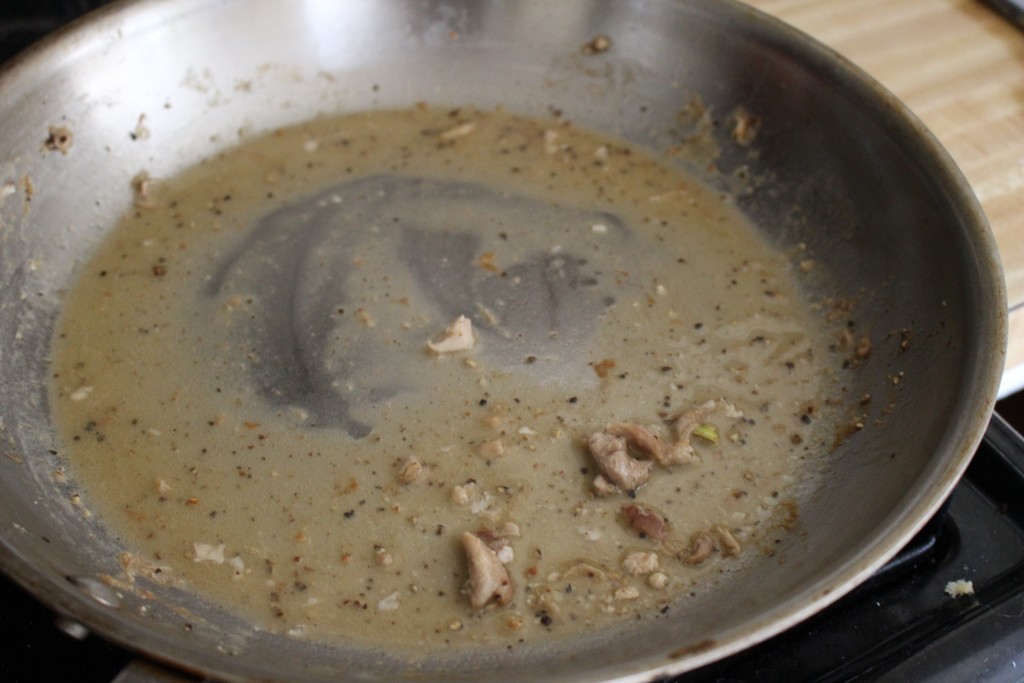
(840, 167)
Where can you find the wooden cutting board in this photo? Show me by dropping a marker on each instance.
(959, 66)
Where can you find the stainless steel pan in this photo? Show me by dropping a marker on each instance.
(841, 166)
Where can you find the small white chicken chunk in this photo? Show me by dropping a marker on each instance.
(640, 563)
(488, 578)
(457, 337)
(726, 541)
(617, 467)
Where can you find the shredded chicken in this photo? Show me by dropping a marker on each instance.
(617, 466)
(701, 547)
(586, 570)
(488, 579)
(626, 452)
(645, 442)
(689, 421)
(728, 543)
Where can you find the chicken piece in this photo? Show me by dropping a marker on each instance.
(457, 337)
(626, 593)
(730, 546)
(497, 542)
(617, 466)
(645, 442)
(411, 470)
(691, 420)
(701, 547)
(657, 580)
(640, 563)
(645, 521)
(488, 579)
(604, 488)
(490, 450)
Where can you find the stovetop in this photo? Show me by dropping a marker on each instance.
(899, 626)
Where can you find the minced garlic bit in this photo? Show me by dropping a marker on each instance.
(206, 552)
(657, 580)
(457, 337)
(550, 142)
(505, 554)
(460, 496)
(955, 589)
(238, 565)
(458, 131)
(382, 557)
(627, 593)
(491, 449)
(80, 394)
(389, 603)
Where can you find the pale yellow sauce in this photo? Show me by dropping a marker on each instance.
(240, 394)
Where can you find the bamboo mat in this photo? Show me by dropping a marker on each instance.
(959, 66)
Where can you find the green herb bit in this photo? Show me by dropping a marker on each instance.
(708, 432)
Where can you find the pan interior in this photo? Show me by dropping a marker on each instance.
(837, 169)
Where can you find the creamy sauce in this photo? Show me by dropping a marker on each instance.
(245, 388)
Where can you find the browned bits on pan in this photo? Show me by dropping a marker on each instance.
(863, 349)
(905, 337)
(602, 368)
(488, 262)
(598, 44)
(688, 650)
(140, 188)
(60, 139)
(745, 126)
